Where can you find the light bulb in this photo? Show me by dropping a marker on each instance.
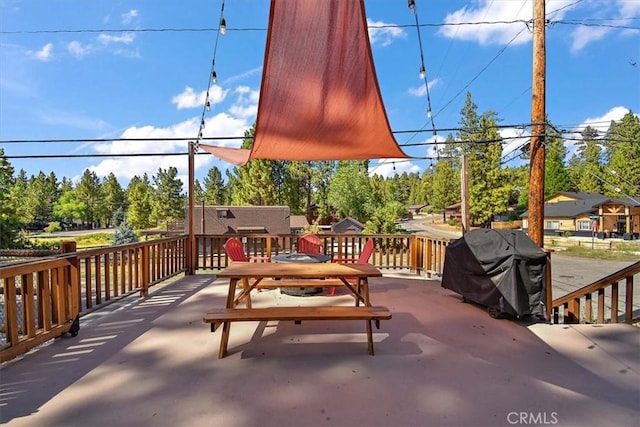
(422, 72)
(214, 77)
(202, 124)
(429, 112)
(208, 105)
(223, 27)
(412, 6)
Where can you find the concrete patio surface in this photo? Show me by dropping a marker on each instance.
(438, 362)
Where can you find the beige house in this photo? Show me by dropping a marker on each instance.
(582, 214)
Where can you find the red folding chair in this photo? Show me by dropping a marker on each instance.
(367, 251)
(235, 251)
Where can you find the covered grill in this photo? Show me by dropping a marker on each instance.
(503, 270)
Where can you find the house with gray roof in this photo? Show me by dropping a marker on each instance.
(583, 214)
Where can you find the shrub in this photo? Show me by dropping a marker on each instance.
(124, 234)
(53, 227)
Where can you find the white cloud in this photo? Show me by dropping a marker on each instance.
(498, 11)
(126, 38)
(232, 123)
(76, 49)
(383, 34)
(620, 10)
(45, 54)
(128, 17)
(421, 90)
(602, 123)
(190, 99)
(515, 139)
(387, 168)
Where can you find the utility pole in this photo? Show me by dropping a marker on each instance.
(538, 117)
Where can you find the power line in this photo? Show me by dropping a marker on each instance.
(210, 138)
(586, 22)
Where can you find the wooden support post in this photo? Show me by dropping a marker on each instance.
(192, 252)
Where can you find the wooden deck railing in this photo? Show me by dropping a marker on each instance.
(614, 302)
(419, 254)
(40, 300)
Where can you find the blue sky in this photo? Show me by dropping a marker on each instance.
(94, 70)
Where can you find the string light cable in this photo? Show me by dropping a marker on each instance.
(423, 72)
(213, 78)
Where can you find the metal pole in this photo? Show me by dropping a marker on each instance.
(538, 118)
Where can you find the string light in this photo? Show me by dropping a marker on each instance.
(412, 6)
(423, 72)
(213, 78)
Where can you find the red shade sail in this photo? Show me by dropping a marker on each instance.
(319, 98)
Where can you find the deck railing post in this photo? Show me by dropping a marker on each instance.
(145, 265)
(72, 280)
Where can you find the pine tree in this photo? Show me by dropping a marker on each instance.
(124, 234)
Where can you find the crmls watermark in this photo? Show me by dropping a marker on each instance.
(532, 418)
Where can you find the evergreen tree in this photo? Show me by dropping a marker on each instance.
(556, 176)
(113, 198)
(198, 195)
(254, 184)
(89, 192)
(489, 189)
(18, 196)
(214, 188)
(39, 200)
(350, 192)
(124, 234)
(384, 219)
(169, 201)
(622, 143)
(9, 223)
(588, 166)
(446, 185)
(321, 175)
(139, 196)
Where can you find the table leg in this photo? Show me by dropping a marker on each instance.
(245, 287)
(224, 339)
(369, 338)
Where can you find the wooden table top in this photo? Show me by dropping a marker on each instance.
(298, 270)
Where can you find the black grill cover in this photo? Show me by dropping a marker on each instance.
(500, 269)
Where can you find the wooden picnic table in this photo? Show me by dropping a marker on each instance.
(252, 275)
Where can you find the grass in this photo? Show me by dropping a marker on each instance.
(82, 242)
(619, 254)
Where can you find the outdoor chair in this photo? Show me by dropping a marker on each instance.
(365, 254)
(309, 244)
(235, 251)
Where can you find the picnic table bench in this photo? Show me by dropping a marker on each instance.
(254, 275)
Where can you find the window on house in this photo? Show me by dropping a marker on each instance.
(552, 225)
(584, 225)
(222, 214)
